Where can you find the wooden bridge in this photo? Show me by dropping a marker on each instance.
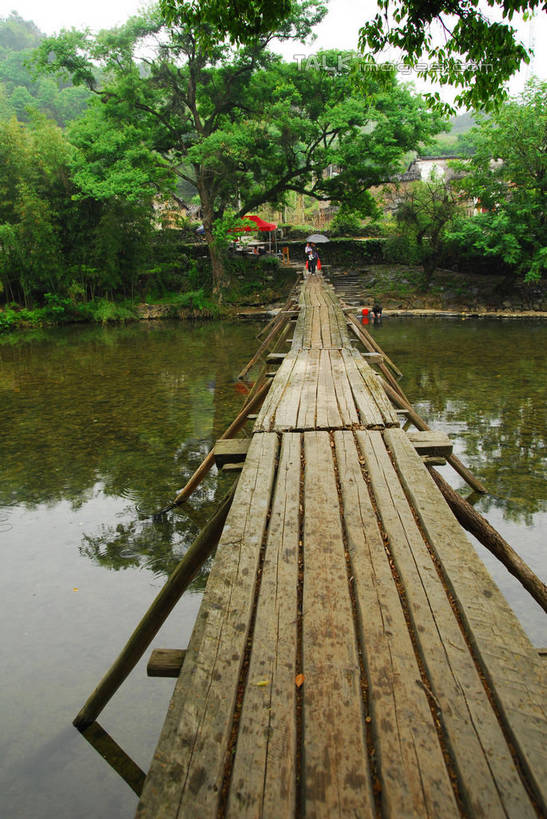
(352, 656)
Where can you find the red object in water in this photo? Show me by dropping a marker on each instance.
(364, 320)
(365, 311)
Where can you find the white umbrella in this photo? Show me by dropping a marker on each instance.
(317, 238)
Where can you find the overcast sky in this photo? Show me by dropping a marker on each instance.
(338, 30)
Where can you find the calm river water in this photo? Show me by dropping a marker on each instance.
(97, 422)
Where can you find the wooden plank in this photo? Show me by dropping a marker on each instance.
(188, 768)
(487, 779)
(264, 422)
(512, 668)
(286, 414)
(308, 401)
(264, 772)
(342, 388)
(369, 414)
(430, 442)
(327, 414)
(382, 401)
(336, 773)
(230, 450)
(409, 756)
(315, 334)
(165, 662)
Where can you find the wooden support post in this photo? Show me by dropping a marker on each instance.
(474, 522)
(418, 422)
(165, 662)
(156, 615)
(431, 442)
(230, 450)
(433, 460)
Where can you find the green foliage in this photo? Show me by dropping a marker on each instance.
(23, 93)
(346, 223)
(240, 23)
(297, 231)
(477, 56)
(187, 116)
(424, 213)
(507, 175)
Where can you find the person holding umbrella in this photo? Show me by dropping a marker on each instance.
(313, 259)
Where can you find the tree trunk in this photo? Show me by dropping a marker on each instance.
(215, 253)
(217, 267)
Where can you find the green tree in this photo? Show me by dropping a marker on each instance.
(425, 213)
(454, 36)
(26, 93)
(452, 42)
(235, 123)
(507, 176)
(34, 160)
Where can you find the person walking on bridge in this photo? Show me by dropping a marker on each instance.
(313, 259)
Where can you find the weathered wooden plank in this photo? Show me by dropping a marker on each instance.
(382, 401)
(342, 388)
(308, 401)
(430, 442)
(327, 414)
(369, 414)
(264, 772)
(264, 422)
(230, 450)
(512, 668)
(336, 773)
(315, 336)
(165, 662)
(410, 762)
(188, 768)
(487, 779)
(286, 413)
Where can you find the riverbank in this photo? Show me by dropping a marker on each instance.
(400, 289)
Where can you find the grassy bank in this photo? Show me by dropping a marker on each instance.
(243, 291)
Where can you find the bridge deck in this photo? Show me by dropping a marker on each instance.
(352, 656)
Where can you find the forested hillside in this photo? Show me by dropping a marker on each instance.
(22, 92)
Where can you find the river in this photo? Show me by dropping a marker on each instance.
(98, 423)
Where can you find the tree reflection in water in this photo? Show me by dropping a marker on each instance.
(128, 413)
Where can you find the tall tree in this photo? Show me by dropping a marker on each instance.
(235, 122)
(453, 36)
(452, 42)
(507, 176)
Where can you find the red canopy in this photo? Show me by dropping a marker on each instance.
(259, 224)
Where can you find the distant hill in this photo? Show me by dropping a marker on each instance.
(20, 91)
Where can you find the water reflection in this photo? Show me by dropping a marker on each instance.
(484, 382)
(124, 413)
(96, 422)
(116, 757)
